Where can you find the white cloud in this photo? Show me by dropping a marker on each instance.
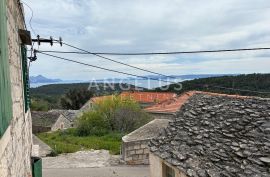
(153, 26)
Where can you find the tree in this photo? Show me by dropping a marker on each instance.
(114, 114)
(39, 105)
(75, 98)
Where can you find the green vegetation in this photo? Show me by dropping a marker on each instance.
(254, 82)
(101, 128)
(75, 98)
(114, 114)
(49, 96)
(68, 141)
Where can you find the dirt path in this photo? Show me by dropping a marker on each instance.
(95, 163)
(116, 171)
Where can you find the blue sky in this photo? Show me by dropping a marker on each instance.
(152, 26)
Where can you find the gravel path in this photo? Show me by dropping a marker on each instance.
(95, 163)
(81, 159)
(116, 171)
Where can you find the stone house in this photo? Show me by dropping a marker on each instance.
(214, 135)
(135, 149)
(53, 120)
(135, 142)
(15, 117)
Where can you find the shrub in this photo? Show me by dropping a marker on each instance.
(92, 123)
(114, 114)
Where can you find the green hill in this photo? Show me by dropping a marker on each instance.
(246, 84)
(48, 97)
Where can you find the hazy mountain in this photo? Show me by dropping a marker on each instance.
(42, 79)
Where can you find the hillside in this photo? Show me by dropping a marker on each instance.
(48, 97)
(60, 89)
(253, 82)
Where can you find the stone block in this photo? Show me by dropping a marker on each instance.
(137, 147)
(131, 152)
(143, 146)
(146, 151)
(140, 151)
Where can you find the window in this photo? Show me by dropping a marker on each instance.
(25, 74)
(5, 89)
(168, 171)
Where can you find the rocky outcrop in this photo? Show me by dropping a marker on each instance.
(218, 136)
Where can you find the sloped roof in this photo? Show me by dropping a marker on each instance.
(44, 119)
(148, 131)
(148, 97)
(171, 105)
(71, 115)
(174, 104)
(218, 136)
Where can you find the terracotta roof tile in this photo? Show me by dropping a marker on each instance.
(148, 97)
(174, 104)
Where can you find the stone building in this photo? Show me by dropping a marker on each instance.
(15, 117)
(215, 135)
(53, 120)
(135, 145)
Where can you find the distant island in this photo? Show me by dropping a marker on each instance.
(42, 79)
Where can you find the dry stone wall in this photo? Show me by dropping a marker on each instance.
(136, 152)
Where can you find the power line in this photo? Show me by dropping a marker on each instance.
(106, 69)
(157, 53)
(115, 61)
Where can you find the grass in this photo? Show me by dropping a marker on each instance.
(68, 142)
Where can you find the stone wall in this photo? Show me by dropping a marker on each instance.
(16, 143)
(61, 123)
(136, 152)
(157, 167)
(40, 129)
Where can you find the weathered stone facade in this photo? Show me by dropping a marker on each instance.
(157, 167)
(135, 145)
(53, 120)
(16, 143)
(135, 153)
(61, 123)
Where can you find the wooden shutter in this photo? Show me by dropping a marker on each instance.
(5, 89)
(25, 74)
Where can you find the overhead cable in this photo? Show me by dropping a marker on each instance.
(106, 69)
(115, 61)
(158, 53)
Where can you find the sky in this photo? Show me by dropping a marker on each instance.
(151, 26)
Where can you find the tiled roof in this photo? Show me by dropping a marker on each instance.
(148, 97)
(44, 119)
(215, 135)
(174, 104)
(171, 105)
